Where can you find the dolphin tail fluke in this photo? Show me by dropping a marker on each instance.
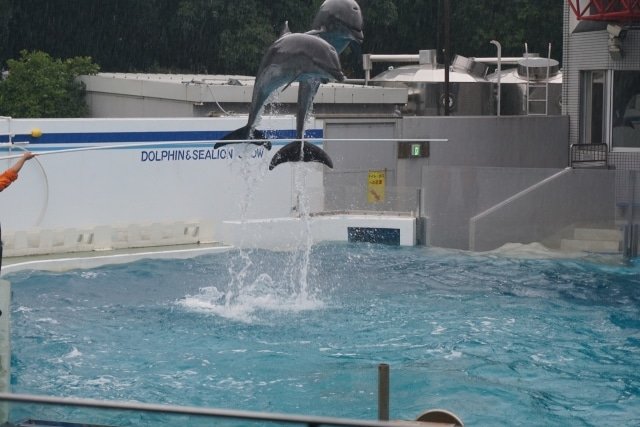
(244, 134)
(291, 153)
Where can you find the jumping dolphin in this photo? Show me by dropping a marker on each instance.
(291, 58)
(339, 22)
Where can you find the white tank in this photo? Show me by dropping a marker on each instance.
(540, 73)
(470, 93)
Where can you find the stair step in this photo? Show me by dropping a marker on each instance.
(602, 246)
(597, 234)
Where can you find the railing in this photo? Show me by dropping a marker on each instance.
(231, 414)
(588, 155)
(606, 10)
(360, 199)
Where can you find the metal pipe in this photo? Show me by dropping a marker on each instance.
(394, 58)
(510, 60)
(193, 410)
(447, 18)
(5, 347)
(383, 392)
(499, 47)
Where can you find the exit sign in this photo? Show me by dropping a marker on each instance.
(410, 150)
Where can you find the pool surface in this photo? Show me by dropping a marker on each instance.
(500, 339)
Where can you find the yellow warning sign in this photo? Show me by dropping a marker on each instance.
(376, 184)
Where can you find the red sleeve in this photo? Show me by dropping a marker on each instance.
(7, 178)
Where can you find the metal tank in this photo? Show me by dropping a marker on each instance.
(470, 94)
(543, 93)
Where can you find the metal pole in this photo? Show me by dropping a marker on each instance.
(5, 348)
(447, 17)
(383, 392)
(632, 248)
(627, 235)
(499, 47)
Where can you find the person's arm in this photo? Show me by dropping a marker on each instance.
(18, 165)
(11, 174)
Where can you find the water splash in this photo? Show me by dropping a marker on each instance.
(303, 252)
(264, 294)
(254, 285)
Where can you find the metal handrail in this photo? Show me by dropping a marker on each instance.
(589, 155)
(195, 411)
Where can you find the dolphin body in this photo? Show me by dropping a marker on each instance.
(339, 22)
(293, 57)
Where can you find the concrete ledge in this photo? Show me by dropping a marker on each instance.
(86, 260)
(100, 238)
(288, 233)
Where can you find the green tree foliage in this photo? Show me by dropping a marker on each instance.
(245, 21)
(230, 36)
(40, 86)
(516, 22)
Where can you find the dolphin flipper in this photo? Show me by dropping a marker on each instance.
(291, 153)
(244, 134)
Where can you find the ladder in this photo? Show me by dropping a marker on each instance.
(532, 89)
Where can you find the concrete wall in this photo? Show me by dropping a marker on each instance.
(294, 233)
(453, 195)
(110, 105)
(514, 141)
(346, 183)
(485, 161)
(91, 200)
(569, 198)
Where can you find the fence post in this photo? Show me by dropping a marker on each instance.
(383, 392)
(630, 236)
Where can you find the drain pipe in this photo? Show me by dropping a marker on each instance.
(383, 392)
(5, 348)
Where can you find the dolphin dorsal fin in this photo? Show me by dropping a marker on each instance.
(285, 29)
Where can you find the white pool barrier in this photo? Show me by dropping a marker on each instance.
(5, 348)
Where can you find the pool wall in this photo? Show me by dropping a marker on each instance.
(288, 233)
(175, 189)
(486, 182)
(477, 187)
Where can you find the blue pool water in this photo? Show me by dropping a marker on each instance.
(500, 339)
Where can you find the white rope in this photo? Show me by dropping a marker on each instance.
(46, 185)
(203, 142)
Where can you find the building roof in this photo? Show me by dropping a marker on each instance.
(205, 88)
